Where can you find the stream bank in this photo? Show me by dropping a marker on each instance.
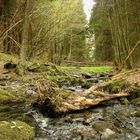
(114, 119)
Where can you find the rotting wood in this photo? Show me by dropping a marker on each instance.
(81, 103)
(74, 101)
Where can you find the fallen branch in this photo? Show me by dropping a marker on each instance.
(81, 103)
(58, 105)
(129, 55)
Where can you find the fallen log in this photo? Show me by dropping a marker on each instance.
(57, 101)
(80, 103)
(61, 101)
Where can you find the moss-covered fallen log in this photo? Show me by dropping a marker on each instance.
(54, 101)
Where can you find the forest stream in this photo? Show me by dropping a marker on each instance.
(108, 121)
(69, 69)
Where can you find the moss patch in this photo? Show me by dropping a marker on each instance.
(99, 69)
(50, 68)
(16, 130)
(64, 93)
(8, 57)
(10, 96)
(115, 86)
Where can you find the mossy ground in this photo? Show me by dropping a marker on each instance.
(11, 96)
(11, 105)
(98, 69)
(16, 130)
(7, 57)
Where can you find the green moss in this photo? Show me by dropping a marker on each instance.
(97, 69)
(16, 130)
(115, 86)
(8, 57)
(10, 96)
(20, 71)
(124, 101)
(38, 67)
(116, 82)
(89, 69)
(59, 79)
(64, 93)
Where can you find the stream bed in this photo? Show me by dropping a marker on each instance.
(113, 122)
(109, 121)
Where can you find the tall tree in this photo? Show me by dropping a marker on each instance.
(24, 43)
(123, 20)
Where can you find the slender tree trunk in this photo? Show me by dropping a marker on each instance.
(24, 43)
(70, 47)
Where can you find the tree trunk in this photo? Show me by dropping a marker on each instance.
(24, 43)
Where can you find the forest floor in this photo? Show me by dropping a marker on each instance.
(86, 103)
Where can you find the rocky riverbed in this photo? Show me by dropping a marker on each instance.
(117, 119)
(112, 122)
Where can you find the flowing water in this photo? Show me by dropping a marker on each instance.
(110, 121)
(115, 122)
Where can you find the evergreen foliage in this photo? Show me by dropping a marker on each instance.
(116, 25)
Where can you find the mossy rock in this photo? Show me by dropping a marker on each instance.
(127, 81)
(38, 67)
(10, 96)
(16, 130)
(50, 68)
(7, 57)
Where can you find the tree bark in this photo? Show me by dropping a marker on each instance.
(24, 43)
